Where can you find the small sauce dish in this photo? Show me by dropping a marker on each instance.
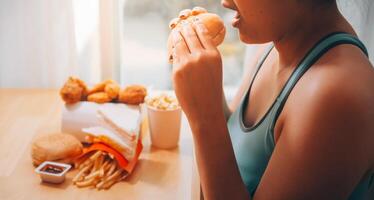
(52, 172)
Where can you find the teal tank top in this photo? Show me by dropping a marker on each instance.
(253, 146)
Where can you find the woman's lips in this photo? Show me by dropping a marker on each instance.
(236, 20)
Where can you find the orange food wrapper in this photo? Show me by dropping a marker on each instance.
(127, 165)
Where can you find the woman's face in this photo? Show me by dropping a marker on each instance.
(261, 21)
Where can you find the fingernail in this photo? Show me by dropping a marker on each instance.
(184, 14)
(173, 23)
(198, 10)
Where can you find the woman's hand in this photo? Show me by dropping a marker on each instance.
(197, 79)
(197, 74)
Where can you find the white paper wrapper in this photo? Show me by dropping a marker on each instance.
(83, 115)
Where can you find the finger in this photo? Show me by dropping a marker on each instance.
(180, 50)
(180, 46)
(203, 34)
(191, 38)
(174, 56)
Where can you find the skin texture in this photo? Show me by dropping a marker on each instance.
(324, 140)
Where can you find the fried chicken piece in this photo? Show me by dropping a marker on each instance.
(100, 87)
(133, 94)
(99, 97)
(74, 90)
(112, 89)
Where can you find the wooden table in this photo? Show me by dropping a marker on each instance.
(25, 113)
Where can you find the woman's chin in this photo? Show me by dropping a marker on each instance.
(251, 38)
(246, 38)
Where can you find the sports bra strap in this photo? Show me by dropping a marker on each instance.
(311, 57)
(257, 69)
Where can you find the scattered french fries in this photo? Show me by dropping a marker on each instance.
(99, 170)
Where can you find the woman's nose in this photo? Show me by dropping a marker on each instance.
(228, 4)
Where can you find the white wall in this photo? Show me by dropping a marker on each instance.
(36, 43)
(42, 42)
(360, 13)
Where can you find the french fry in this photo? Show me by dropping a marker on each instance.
(95, 155)
(85, 183)
(100, 170)
(112, 168)
(101, 161)
(115, 175)
(107, 167)
(98, 162)
(92, 175)
(107, 175)
(81, 173)
(106, 162)
(100, 185)
(110, 182)
(107, 183)
(85, 162)
(78, 162)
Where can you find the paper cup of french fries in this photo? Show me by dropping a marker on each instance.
(101, 166)
(164, 116)
(99, 170)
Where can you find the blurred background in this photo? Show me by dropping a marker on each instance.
(42, 42)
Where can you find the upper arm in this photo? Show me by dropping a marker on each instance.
(322, 149)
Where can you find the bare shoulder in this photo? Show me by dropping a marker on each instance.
(326, 132)
(336, 98)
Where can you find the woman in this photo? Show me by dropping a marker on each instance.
(301, 126)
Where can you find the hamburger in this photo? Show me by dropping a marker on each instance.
(212, 22)
(57, 147)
